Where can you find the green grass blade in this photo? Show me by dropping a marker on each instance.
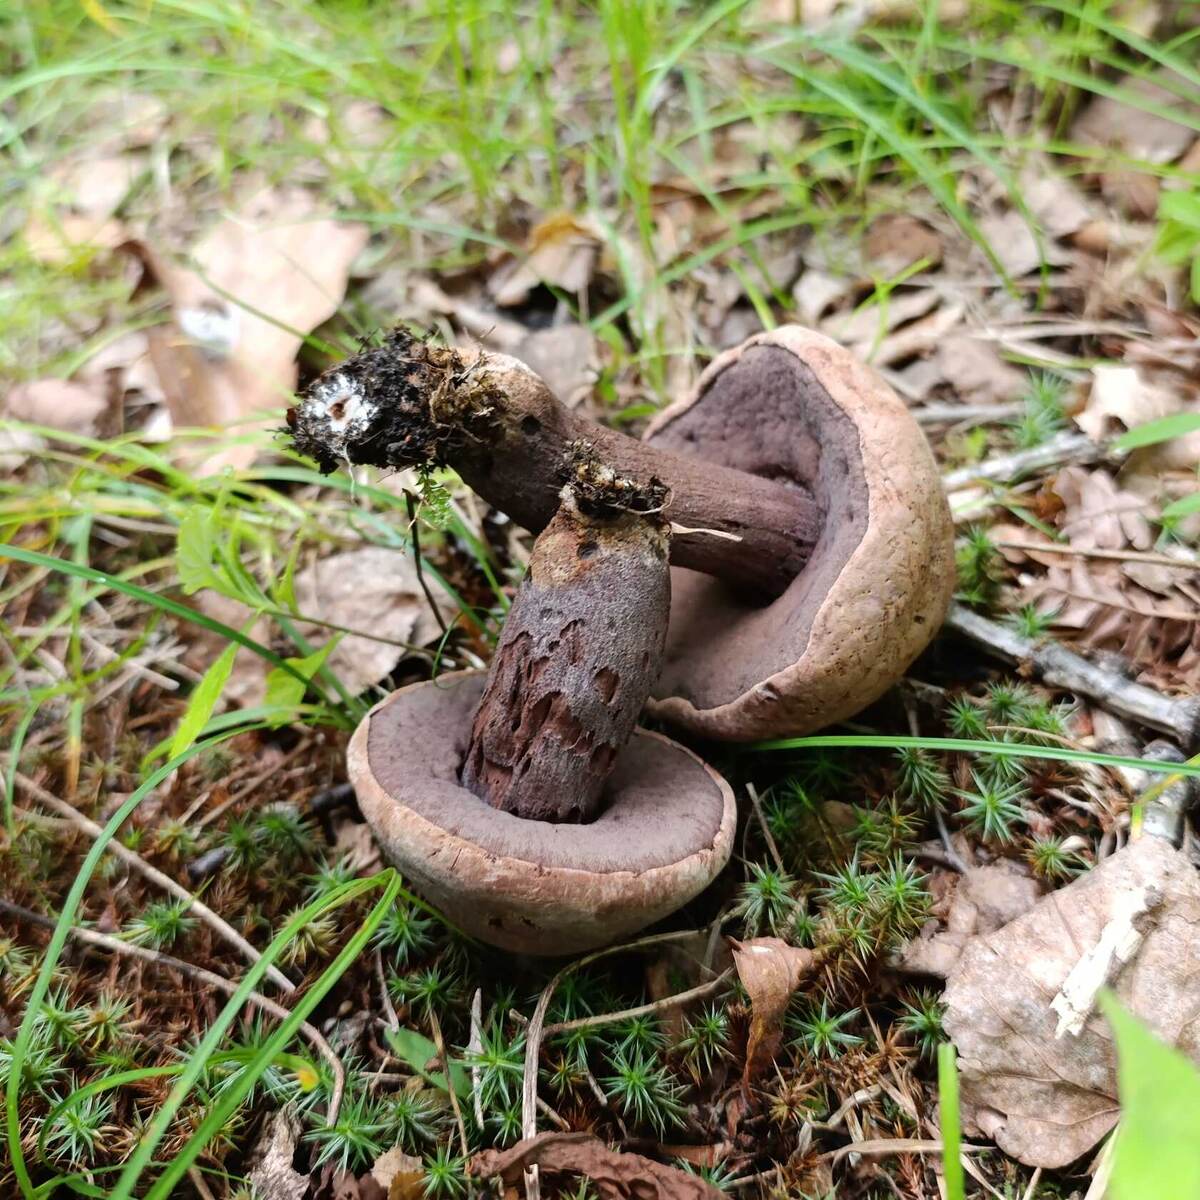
(58, 940)
(219, 1113)
(164, 603)
(951, 1122)
(967, 746)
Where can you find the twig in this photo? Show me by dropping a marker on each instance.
(958, 414)
(535, 1032)
(440, 1043)
(551, 1115)
(474, 1047)
(222, 928)
(410, 502)
(887, 1146)
(105, 941)
(1063, 668)
(752, 792)
(202, 1188)
(1065, 447)
(1034, 1180)
(642, 1010)
(1159, 560)
(388, 1007)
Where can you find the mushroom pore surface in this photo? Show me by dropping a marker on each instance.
(793, 405)
(659, 807)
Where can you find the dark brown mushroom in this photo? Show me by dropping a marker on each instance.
(813, 540)
(518, 803)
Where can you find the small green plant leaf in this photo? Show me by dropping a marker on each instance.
(1183, 507)
(1155, 1156)
(203, 700)
(195, 545)
(285, 689)
(1162, 430)
(418, 1051)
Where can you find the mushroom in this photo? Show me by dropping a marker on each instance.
(812, 543)
(524, 804)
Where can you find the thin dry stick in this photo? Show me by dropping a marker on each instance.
(1034, 1180)
(474, 1047)
(1141, 556)
(153, 874)
(105, 941)
(958, 414)
(393, 1021)
(534, 1034)
(752, 792)
(1065, 447)
(440, 1043)
(642, 1010)
(1060, 667)
(887, 1146)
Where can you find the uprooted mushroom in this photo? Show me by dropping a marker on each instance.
(811, 560)
(519, 802)
(812, 545)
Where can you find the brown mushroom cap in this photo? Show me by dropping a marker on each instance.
(795, 406)
(534, 886)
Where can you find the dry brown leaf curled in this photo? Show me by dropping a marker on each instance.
(770, 970)
(616, 1176)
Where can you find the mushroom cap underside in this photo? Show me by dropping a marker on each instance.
(795, 406)
(532, 886)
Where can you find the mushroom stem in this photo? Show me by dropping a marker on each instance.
(581, 648)
(408, 403)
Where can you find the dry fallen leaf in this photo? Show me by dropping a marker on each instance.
(615, 1176)
(401, 1175)
(374, 589)
(562, 250)
(972, 368)
(981, 900)
(274, 1177)
(770, 970)
(262, 279)
(58, 404)
(565, 357)
(1047, 1099)
(56, 242)
(1108, 121)
(1015, 243)
(96, 186)
(897, 241)
(1146, 611)
(1121, 398)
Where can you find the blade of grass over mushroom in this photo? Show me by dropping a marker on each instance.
(53, 952)
(967, 746)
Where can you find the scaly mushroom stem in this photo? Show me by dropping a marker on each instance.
(581, 648)
(408, 403)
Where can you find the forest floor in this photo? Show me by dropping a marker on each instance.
(207, 203)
